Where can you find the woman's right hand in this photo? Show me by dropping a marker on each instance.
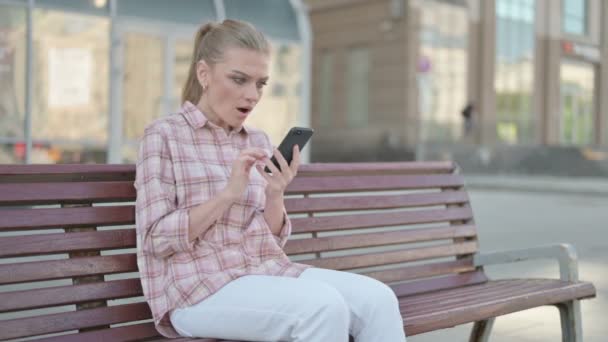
(241, 167)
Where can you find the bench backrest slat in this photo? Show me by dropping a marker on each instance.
(407, 224)
(40, 244)
(53, 323)
(69, 294)
(22, 219)
(64, 192)
(66, 268)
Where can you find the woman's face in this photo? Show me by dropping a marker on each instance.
(233, 86)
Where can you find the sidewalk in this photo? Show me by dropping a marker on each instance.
(549, 184)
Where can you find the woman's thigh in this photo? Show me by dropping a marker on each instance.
(255, 308)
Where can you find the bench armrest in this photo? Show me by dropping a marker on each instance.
(564, 253)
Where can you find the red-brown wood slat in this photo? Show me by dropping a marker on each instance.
(23, 219)
(78, 192)
(131, 333)
(386, 238)
(393, 257)
(349, 203)
(54, 323)
(377, 167)
(441, 283)
(71, 294)
(372, 183)
(443, 314)
(66, 268)
(26, 245)
(66, 173)
(426, 270)
(387, 219)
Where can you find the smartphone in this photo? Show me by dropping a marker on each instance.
(296, 136)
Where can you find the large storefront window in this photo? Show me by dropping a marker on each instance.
(514, 79)
(12, 83)
(70, 100)
(442, 69)
(576, 110)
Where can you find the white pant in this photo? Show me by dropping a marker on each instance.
(321, 305)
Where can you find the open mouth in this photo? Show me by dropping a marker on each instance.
(244, 110)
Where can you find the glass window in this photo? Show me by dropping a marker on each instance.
(357, 86)
(12, 83)
(574, 13)
(193, 12)
(70, 100)
(442, 69)
(577, 89)
(514, 75)
(142, 87)
(278, 111)
(325, 89)
(275, 18)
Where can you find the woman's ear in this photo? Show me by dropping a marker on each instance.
(202, 73)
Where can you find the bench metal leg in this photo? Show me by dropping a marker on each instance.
(481, 330)
(570, 314)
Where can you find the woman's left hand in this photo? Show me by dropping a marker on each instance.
(280, 179)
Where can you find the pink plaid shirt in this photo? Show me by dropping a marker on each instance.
(184, 160)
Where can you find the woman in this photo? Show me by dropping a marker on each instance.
(211, 223)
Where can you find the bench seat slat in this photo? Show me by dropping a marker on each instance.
(68, 192)
(23, 219)
(71, 294)
(441, 315)
(392, 275)
(396, 218)
(66, 321)
(372, 183)
(340, 242)
(393, 257)
(66, 268)
(325, 204)
(27, 245)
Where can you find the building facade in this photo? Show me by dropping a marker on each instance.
(404, 79)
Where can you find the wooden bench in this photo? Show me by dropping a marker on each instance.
(67, 246)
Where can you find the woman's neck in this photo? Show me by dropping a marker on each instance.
(212, 116)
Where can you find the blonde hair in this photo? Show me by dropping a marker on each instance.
(211, 42)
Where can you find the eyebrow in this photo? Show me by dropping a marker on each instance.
(244, 74)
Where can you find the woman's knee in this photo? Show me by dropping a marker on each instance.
(329, 303)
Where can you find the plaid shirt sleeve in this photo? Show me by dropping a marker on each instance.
(162, 226)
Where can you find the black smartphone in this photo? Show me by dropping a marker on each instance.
(296, 136)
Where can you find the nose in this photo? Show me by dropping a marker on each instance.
(252, 93)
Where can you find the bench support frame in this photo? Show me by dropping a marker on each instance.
(570, 312)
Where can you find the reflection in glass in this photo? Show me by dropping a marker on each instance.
(514, 77)
(12, 73)
(577, 88)
(575, 16)
(357, 86)
(70, 102)
(442, 68)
